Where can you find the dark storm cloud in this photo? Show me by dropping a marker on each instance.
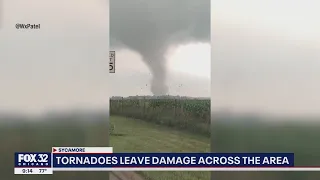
(150, 26)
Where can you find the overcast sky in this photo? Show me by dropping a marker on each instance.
(266, 56)
(62, 65)
(162, 47)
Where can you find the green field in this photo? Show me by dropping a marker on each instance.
(144, 136)
(241, 135)
(300, 138)
(133, 135)
(130, 135)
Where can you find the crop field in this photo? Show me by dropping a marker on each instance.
(154, 125)
(188, 114)
(133, 134)
(242, 136)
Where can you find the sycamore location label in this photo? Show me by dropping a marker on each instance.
(95, 150)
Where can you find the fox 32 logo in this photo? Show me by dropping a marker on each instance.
(33, 159)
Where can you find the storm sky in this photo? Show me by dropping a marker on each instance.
(62, 65)
(151, 27)
(266, 56)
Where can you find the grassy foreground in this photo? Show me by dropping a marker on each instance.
(140, 136)
(300, 138)
(303, 139)
(133, 135)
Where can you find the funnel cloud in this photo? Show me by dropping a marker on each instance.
(149, 27)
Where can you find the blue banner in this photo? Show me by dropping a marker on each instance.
(172, 160)
(152, 160)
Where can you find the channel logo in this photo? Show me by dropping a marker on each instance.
(32, 159)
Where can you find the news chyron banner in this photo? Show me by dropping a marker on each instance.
(103, 159)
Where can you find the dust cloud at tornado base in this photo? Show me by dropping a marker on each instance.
(149, 27)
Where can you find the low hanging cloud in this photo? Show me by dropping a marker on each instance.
(149, 27)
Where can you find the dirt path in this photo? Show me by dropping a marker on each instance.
(125, 176)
